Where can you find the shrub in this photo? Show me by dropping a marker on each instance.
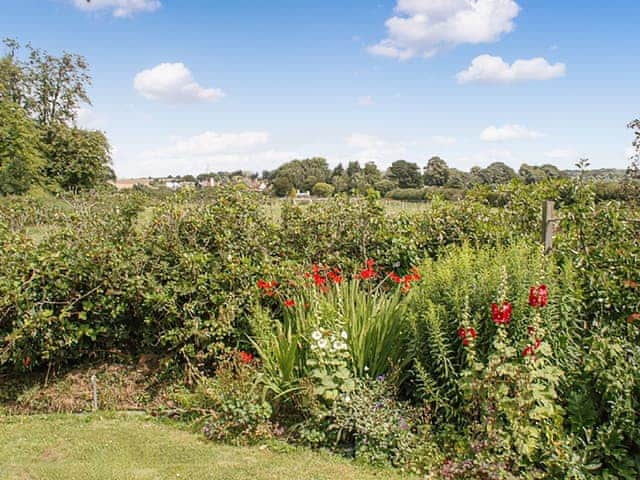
(407, 194)
(322, 190)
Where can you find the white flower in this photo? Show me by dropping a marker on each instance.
(316, 335)
(337, 346)
(366, 369)
(322, 343)
(347, 398)
(344, 335)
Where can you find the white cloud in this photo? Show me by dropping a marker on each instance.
(509, 132)
(483, 159)
(208, 151)
(87, 117)
(562, 154)
(210, 143)
(369, 148)
(365, 101)
(443, 140)
(119, 8)
(422, 27)
(173, 83)
(490, 69)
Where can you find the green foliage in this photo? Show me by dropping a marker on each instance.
(20, 159)
(436, 173)
(407, 194)
(230, 406)
(321, 189)
(405, 174)
(78, 159)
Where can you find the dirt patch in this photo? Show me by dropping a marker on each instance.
(119, 387)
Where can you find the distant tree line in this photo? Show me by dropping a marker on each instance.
(315, 176)
(40, 142)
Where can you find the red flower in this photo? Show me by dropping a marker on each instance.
(289, 303)
(462, 333)
(528, 351)
(319, 280)
(532, 330)
(262, 284)
(368, 272)
(501, 314)
(395, 277)
(245, 357)
(27, 361)
(538, 343)
(538, 296)
(335, 276)
(466, 335)
(633, 317)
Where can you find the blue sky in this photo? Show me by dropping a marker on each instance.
(186, 86)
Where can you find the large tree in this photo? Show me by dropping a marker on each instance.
(78, 159)
(405, 174)
(21, 160)
(51, 89)
(48, 90)
(436, 173)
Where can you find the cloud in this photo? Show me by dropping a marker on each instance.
(119, 8)
(562, 154)
(509, 132)
(210, 143)
(365, 101)
(490, 69)
(207, 151)
(87, 117)
(422, 27)
(173, 83)
(443, 140)
(369, 148)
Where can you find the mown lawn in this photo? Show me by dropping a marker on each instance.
(125, 447)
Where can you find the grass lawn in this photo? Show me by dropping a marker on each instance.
(127, 447)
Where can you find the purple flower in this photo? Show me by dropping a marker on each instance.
(380, 378)
(377, 405)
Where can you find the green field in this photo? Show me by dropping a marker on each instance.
(126, 447)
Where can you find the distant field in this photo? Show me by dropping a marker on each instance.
(126, 447)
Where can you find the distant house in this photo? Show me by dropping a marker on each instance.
(173, 185)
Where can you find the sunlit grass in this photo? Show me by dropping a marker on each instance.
(83, 447)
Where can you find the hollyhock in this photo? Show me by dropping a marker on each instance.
(501, 314)
(538, 296)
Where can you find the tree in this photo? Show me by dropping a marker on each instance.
(371, 173)
(21, 160)
(634, 170)
(436, 173)
(497, 173)
(51, 89)
(78, 159)
(353, 169)
(405, 174)
(304, 174)
(458, 179)
(322, 189)
(531, 174)
(282, 186)
(384, 186)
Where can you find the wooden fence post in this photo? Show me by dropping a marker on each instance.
(548, 219)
